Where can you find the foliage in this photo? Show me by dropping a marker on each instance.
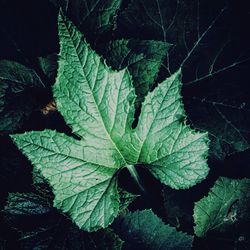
(114, 124)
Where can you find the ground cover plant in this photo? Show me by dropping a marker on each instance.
(124, 124)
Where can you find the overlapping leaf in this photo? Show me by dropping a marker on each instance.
(49, 229)
(143, 58)
(227, 203)
(92, 17)
(98, 104)
(16, 98)
(144, 230)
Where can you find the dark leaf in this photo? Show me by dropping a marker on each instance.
(17, 87)
(144, 230)
(41, 227)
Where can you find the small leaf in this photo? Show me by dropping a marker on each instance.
(228, 104)
(144, 230)
(165, 20)
(47, 229)
(91, 17)
(16, 98)
(143, 58)
(49, 66)
(226, 204)
(125, 199)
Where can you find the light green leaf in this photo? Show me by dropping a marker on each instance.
(226, 204)
(82, 188)
(174, 151)
(98, 104)
(144, 230)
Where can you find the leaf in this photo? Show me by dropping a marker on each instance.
(91, 17)
(143, 58)
(227, 203)
(48, 229)
(174, 151)
(42, 187)
(49, 66)
(213, 59)
(227, 101)
(84, 189)
(98, 104)
(157, 19)
(178, 207)
(16, 98)
(126, 199)
(144, 230)
(13, 169)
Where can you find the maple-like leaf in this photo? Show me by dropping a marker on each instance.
(98, 104)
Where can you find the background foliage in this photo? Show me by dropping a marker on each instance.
(210, 40)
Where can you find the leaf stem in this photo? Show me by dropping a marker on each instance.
(134, 174)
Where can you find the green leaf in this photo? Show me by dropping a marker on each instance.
(125, 199)
(98, 104)
(175, 152)
(179, 207)
(227, 203)
(165, 20)
(16, 98)
(225, 101)
(142, 58)
(92, 17)
(49, 66)
(48, 229)
(84, 189)
(42, 187)
(144, 230)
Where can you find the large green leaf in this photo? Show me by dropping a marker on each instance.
(144, 230)
(227, 203)
(98, 104)
(84, 189)
(174, 151)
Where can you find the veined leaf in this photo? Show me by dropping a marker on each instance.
(92, 17)
(226, 203)
(16, 98)
(164, 20)
(98, 104)
(144, 230)
(49, 229)
(143, 58)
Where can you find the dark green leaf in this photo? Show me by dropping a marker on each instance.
(41, 227)
(228, 105)
(227, 203)
(49, 66)
(16, 98)
(144, 230)
(142, 58)
(93, 17)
